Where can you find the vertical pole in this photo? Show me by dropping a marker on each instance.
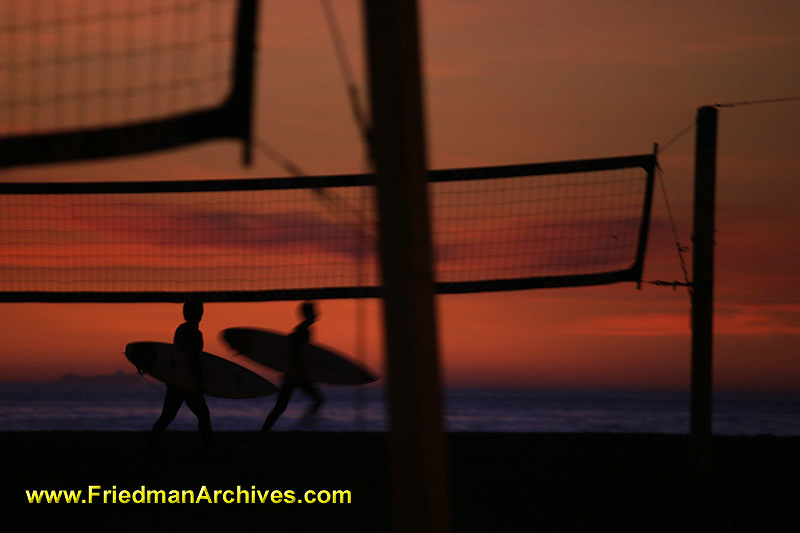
(417, 441)
(243, 79)
(703, 282)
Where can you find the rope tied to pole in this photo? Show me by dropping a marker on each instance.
(757, 102)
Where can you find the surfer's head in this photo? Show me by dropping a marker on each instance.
(193, 311)
(307, 309)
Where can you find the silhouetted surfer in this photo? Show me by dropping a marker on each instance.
(189, 337)
(298, 377)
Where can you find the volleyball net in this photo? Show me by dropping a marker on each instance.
(559, 224)
(103, 78)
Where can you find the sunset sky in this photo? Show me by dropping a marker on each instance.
(518, 82)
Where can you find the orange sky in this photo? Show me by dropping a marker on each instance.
(517, 82)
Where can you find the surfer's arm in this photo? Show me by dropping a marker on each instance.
(197, 369)
(192, 342)
(297, 343)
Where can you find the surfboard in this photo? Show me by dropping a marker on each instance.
(221, 377)
(271, 348)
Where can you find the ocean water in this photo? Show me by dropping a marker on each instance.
(128, 403)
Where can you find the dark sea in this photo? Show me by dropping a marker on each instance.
(128, 403)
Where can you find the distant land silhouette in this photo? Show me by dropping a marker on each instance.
(119, 377)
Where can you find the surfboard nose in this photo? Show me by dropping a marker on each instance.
(142, 355)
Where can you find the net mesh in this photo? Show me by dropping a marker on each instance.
(315, 237)
(101, 78)
(68, 65)
(537, 226)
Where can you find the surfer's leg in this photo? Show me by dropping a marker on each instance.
(316, 395)
(280, 406)
(172, 403)
(197, 404)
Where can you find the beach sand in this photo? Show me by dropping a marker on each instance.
(499, 481)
